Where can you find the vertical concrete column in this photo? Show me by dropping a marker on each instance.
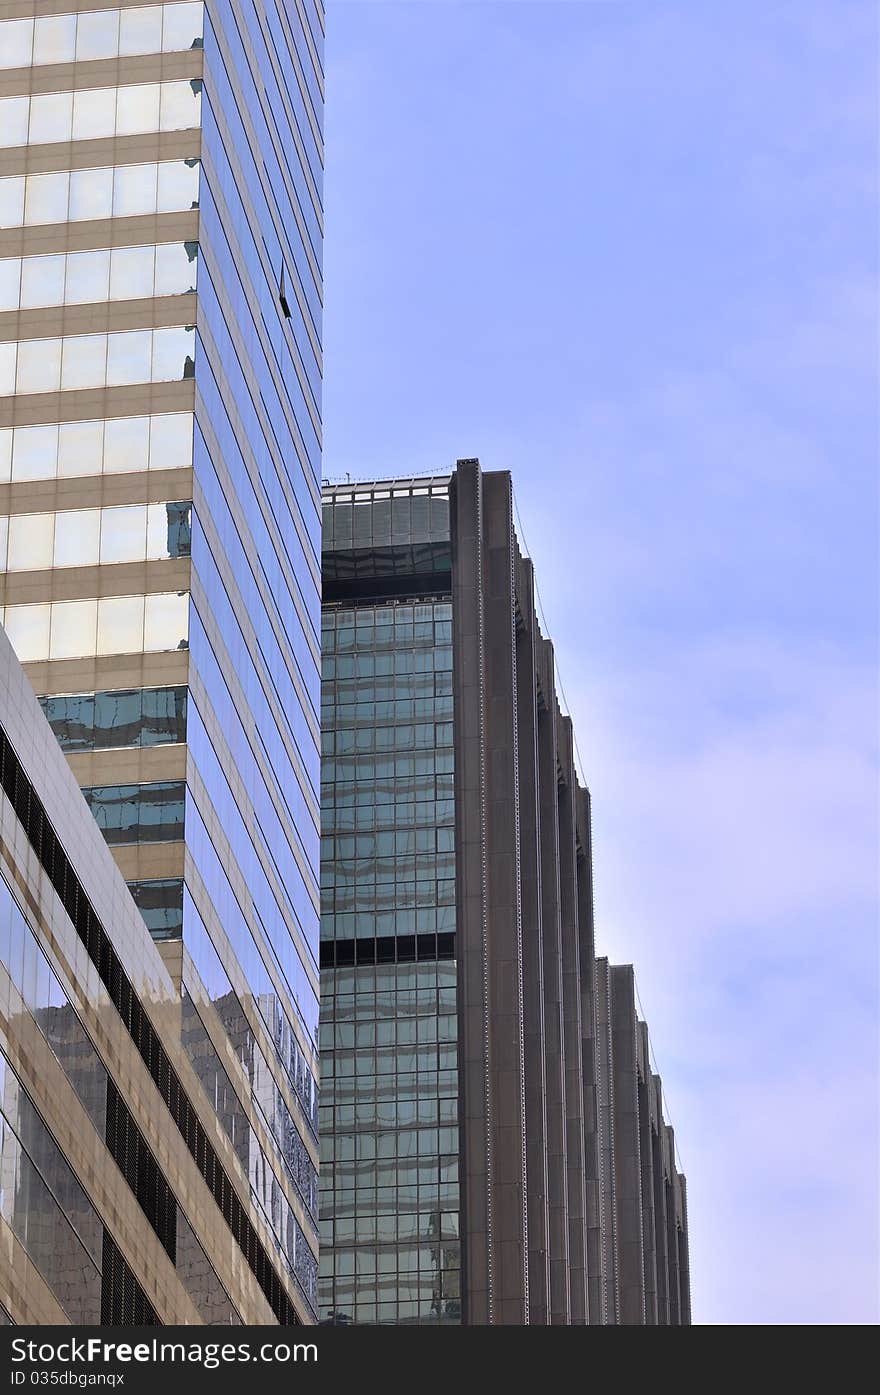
(605, 1102)
(597, 1302)
(551, 924)
(488, 881)
(684, 1263)
(671, 1228)
(660, 1229)
(646, 1176)
(533, 957)
(571, 1025)
(627, 1170)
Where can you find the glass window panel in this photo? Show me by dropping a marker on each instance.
(171, 440)
(46, 198)
(134, 190)
(30, 541)
(140, 30)
(10, 281)
(173, 351)
(97, 34)
(183, 25)
(94, 113)
(16, 42)
(76, 537)
(8, 357)
(131, 272)
(157, 532)
(51, 117)
(168, 530)
(42, 281)
(128, 359)
(163, 716)
(39, 365)
(88, 275)
(73, 629)
(91, 194)
(177, 528)
(34, 452)
(14, 120)
(120, 625)
(27, 627)
(137, 109)
(125, 444)
(71, 719)
(118, 717)
(4, 538)
(55, 39)
(5, 455)
(176, 267)
(124, 534)
(178, 186)
(12, 201)
(181, 103)
(166, 621)
(115, 809)
(84, 360)
(79, 448)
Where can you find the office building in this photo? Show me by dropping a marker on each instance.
(125, 1193)
(474, 1169)
(160, 379)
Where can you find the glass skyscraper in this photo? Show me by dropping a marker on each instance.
(390, 1199)
(160, 396)
(493, 1148)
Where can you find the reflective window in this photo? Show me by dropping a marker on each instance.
(51, 118)
(125, 717)
(160, 902)
(87, 278)
(97, 34)
(91, 195)
(77, 534)
(54, 39)
(112, 625)
(73, 629)
(100, 34)
(94, 111)
(16, 43)
(124, 533)
(44, 1204)
(78, 195)
(38, 366)
(47, 117)
(131, 273)
(138, 813)
(27, 627)
(98, 360)
(120, 625)
(84, 360)
(115, 446)
(77, 278)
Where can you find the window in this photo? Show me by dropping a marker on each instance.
(48, 117)
(111, 625)
(80, 195)
(97, 360)
(115, 446)
(100, 34)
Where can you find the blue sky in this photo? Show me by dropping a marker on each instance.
(627, 250)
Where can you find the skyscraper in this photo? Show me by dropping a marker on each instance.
(160, 380)
(479, 1141)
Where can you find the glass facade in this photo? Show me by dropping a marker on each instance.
(190, 348)
(42, 1200)
(389, 1105)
